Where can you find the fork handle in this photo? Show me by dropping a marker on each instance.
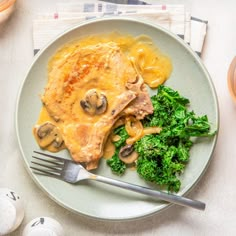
(150, 192)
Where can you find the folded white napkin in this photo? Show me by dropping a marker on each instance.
(172, 17)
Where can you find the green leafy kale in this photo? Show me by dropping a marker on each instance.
(162, 157)
(117, 166)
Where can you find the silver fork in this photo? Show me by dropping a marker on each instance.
(73, 172)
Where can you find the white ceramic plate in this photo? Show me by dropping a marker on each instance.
(94, 199)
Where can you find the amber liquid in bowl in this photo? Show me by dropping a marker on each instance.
(6, 9)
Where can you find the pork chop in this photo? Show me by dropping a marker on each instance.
(88, 90)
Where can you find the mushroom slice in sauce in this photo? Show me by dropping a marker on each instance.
(48, 135)
(94, 103)
(127, 154)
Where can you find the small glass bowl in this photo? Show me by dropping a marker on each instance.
(6, 9)
(232, 79)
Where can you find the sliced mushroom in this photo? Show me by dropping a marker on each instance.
(101, 104)
(127, 154)
(94, 103)
(47, 135)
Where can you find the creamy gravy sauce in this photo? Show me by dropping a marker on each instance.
(147, 60)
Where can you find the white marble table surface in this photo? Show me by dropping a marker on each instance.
(217, 187)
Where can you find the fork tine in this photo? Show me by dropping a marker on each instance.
(45, 172)
(47, 166)
(52, 162)
(51, 156)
